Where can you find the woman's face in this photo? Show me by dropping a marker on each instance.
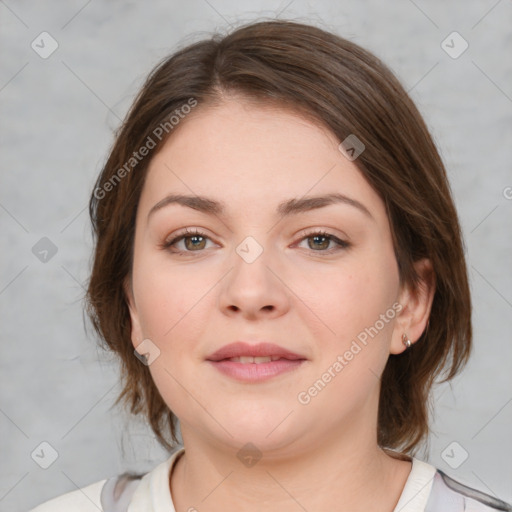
(261, 271)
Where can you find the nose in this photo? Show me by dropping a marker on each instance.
(255, 287)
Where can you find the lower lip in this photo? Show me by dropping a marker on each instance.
(254, 372)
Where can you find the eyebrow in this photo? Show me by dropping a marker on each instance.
(284, 209)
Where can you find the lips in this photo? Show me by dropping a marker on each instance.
(255, 363)
(242, 352)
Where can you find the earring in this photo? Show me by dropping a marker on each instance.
(406, 341)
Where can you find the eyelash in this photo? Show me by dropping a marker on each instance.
(189, 233)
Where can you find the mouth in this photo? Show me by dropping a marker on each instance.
(254, 363)
(259, 353)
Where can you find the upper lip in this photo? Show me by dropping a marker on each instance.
(241, 348)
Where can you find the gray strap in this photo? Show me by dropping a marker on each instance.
(449, 495)
(474, 494)
(117, 492)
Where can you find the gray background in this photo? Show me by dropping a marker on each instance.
(57, 118)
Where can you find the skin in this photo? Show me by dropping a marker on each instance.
(323, 455)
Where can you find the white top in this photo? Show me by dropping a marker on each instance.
(426, 490)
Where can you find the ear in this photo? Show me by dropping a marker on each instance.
(416, 306)
(136, 330)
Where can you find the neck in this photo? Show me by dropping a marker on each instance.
(343, 473)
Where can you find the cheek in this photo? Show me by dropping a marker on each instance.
(353, 298)
(358, 308)
(167, 296)
(173, 309)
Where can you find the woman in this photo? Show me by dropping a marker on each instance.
(277, 241)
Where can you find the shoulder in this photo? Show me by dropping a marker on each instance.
(117, 493)
(86, 499)
(112, 495)
(428, 489)
(447, 495)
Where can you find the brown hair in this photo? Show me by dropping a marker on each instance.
(350, 91)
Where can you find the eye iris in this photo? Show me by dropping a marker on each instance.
(195, 238)
(326, 241)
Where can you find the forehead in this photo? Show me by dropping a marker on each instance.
(248, 134)
(252, 157)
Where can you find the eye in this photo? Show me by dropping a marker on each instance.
(320, 241)
(194, 239)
